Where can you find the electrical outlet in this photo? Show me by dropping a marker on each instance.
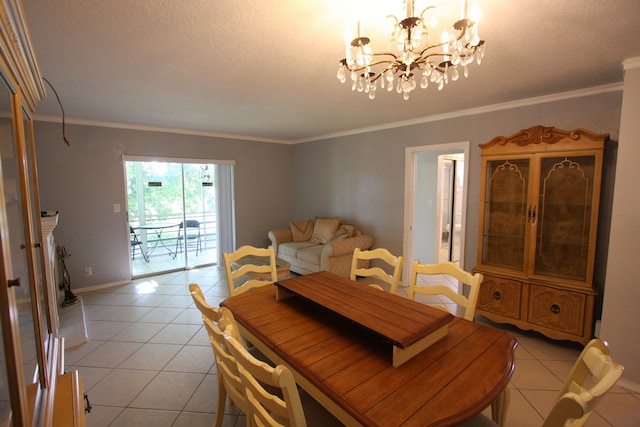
(88, 271)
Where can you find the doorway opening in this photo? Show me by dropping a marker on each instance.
(180, 213)
(450, 176)
(436, 178)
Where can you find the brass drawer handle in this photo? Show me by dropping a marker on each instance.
(555, 308)
(497, 295)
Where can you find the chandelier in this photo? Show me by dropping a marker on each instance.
(418, 55)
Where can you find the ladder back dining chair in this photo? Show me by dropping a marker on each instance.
(229, 381)
(208, 311)
(242, 276)
(364, 257)
(285, 405)
(439, 283)
(593, 375)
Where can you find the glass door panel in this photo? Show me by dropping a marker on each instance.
(565, 212)
(197, 243)
(172, 211)
(505, 213)
(155, 211)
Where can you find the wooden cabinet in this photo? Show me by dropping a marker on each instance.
(538, 222)
(34, 389)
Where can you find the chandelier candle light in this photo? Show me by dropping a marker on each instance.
(418, 55)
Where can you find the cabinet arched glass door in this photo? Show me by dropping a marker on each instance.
(12, 392)
(23, 336)
(564, 239)
(505, 201)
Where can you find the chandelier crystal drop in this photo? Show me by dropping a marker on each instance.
(418, 56)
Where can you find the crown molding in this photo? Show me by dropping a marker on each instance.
(149, 128)
(631, 63)
(614, 87)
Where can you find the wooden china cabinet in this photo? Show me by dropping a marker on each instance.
(538, 222)
(35, 389)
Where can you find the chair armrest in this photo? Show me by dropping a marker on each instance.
(336, 256)
(280, 235)
(347, 246)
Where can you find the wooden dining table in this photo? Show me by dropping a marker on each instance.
(348, 367)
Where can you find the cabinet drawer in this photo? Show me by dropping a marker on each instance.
(557, 309)
(500, 296)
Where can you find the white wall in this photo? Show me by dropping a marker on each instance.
(621, 315)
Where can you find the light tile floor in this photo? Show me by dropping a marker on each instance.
(148, 361)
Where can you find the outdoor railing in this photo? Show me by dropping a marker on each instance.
(169, 235)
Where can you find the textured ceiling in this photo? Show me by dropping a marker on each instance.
(267, 69)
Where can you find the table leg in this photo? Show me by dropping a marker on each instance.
(160, 240)
(500, 406)
(172, 253)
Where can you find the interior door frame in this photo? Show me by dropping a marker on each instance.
(410, 188)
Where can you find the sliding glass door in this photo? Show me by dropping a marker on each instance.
(173, 209)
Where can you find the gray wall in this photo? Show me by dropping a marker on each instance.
(361, 177)
(358, 177)
(84, 180)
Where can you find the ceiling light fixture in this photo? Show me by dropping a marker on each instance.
(437, 62)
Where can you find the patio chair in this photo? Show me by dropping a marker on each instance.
(136, 243)
(189, 231)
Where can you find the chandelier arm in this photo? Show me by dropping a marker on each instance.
(373, 64)
(356, 67)
(422, 20)
(434, 46)
(424, 59)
